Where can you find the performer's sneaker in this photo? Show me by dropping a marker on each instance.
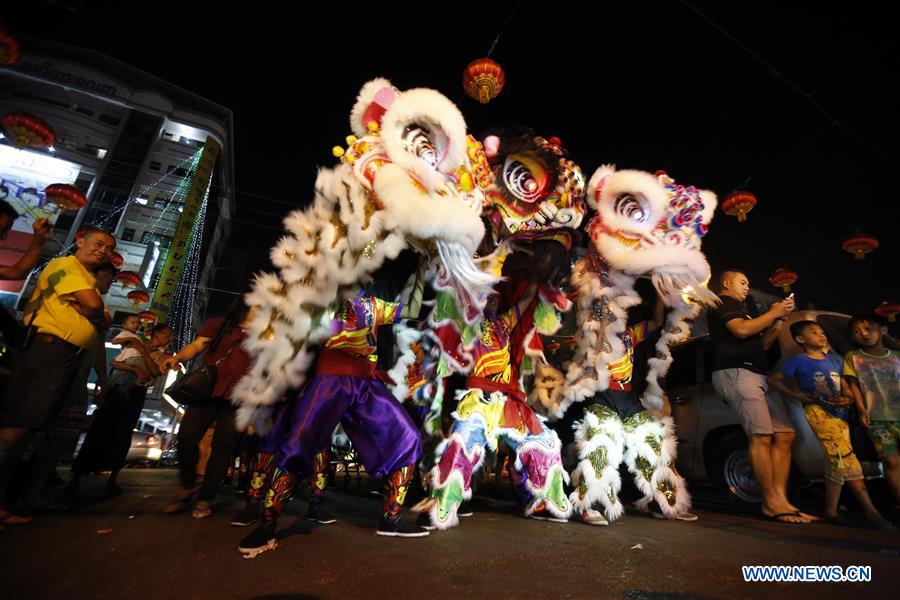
(541, 513)
(464, 510)
(682, 516)
(248, 516)
(319, 514)
(424, 520)
(261, 539)
(657, 513)
(594, 517)
(397, 526)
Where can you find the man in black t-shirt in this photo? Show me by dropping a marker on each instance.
(740, 365)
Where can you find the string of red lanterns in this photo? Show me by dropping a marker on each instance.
(738, 204)
(483, 79)
(138, 297)
(888, 310)
(784, 278)
(9, 48)
(28, 130)
(860, 244)
(128, 278)
(147, 317)
(65, 196)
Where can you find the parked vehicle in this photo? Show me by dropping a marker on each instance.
(145, 448)
(712, 446)
(169, 457)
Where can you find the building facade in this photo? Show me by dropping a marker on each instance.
(131, 142)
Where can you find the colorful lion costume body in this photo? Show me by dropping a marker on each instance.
(646, 225)
(404, 182)
(534, 201)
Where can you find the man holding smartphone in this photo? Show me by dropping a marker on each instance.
(740, 366)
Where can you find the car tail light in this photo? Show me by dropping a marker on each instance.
(152, 439)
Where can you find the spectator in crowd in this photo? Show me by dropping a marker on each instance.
(129, 333)
(740, 365)
(109, 437)
(873, 374)
(221, 339)
(60, 441)
(42, 229)
(814, 378)
(66, 312)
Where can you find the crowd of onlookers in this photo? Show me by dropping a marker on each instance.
(43, 410)
(830, 387)
(61, 338)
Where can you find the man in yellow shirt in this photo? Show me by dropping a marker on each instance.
(67, 311)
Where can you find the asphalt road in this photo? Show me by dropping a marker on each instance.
(125, 547)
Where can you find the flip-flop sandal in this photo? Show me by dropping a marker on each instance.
(779, 518)
(14, 519)
(202, 510)
(810, 518)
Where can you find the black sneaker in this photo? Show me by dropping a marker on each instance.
(399, 527)
(424, 520)
(464, 510)
(319, 514)
(248, 516)
(260, 539)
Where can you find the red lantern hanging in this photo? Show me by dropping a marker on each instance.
(65, 196)
(9, 48)
(888, 310)
(115, 258)
(483, 79)
(146, 317)
(739, 204)
(784, 278)
(859, 245)
(128, 278)
(26, 129)
(138, 297)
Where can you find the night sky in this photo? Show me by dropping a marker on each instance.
(807, 111)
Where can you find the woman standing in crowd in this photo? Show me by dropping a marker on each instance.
(221, 339)
(109, 437)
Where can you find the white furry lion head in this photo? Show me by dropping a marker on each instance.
(646, 223)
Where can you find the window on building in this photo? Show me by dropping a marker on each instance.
(142, 200)
(164, 240)
(41, 99)
(109, 120)
(85, 111)
(154, 166)
(160, 202)
(128, 235)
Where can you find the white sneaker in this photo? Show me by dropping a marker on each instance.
(594, 517)
(682, 516)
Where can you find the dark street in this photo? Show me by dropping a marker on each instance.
(126, 547)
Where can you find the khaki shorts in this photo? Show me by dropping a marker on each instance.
(745, 391)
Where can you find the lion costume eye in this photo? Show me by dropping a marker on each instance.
(417, 141)
(630, 207)
(525, 178)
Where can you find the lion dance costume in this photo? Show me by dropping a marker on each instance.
(646, 224)
(533, 195)
(405, 183)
